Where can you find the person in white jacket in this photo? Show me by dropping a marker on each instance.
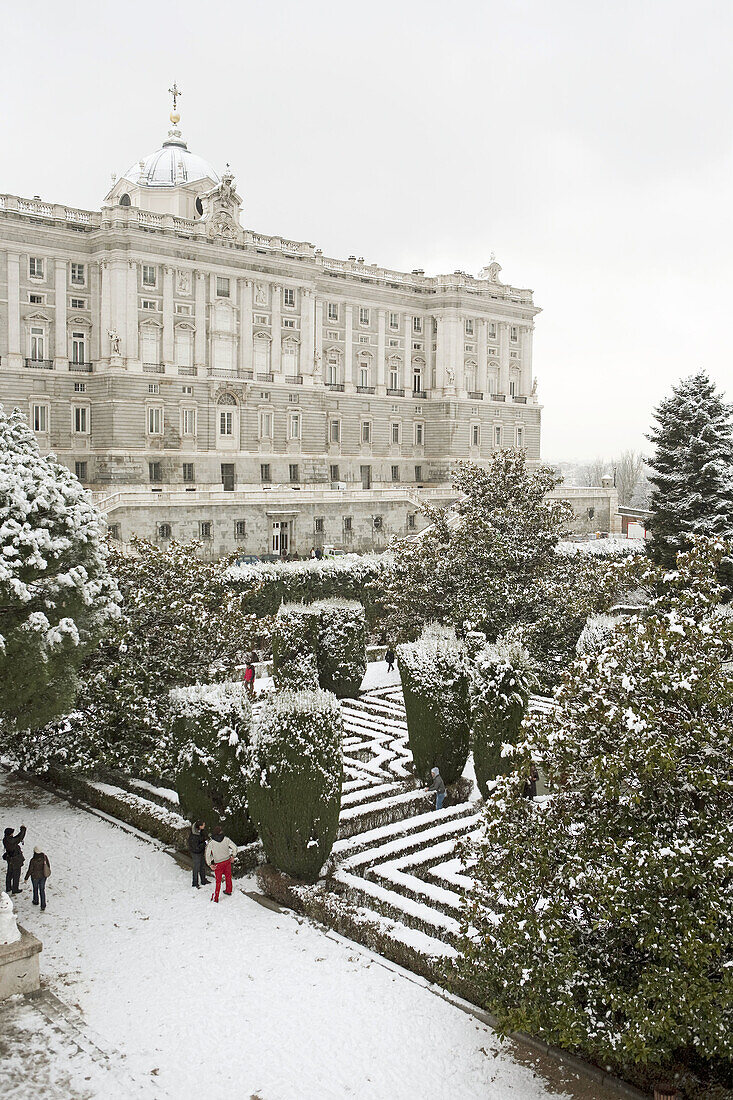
(220, 851)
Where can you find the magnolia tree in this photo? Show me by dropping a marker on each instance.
(601, 918)
(294, 780)
(56, 593)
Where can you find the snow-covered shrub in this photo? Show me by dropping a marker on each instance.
(434, 678)
(56, 593)
(294, 780)
(596, 634)
(341, 646)
(211, 733)
(294, 641)
(600, 920)
(501, 678)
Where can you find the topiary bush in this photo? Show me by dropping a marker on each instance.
(294, 780)
(434, 678)
(294, 641)
(211, 732)
(501, 679)
(341, 646)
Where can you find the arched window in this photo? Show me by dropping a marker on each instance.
(164, 530)
(125, 200)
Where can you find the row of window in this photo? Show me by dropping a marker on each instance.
(37, 270)
(81, 419)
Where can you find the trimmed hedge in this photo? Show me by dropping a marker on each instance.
(501, 680)
(211, 731)
(434, 678)
(294, 640)
(320, 644)
(294, 780)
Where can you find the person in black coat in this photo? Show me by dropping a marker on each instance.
(197, 847)
(13, 853)
(389, 658)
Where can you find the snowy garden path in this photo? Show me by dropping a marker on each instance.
(232, 999)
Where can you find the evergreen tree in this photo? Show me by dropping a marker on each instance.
(691, 470)
(56, 594)
(501, 679)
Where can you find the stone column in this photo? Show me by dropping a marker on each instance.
(349, 344)
(245, 324)
(407, 379)
(15, 358)
(105, 310)
(379, 379)
(481, 371)
(527, 360)
(61, 342)
(276, 330)
(97, 324)
(199, 341)
(440, 355)
(131, 350)
(118, 291)
(168, 330)
(307, 326)
(503, 357)
(318, 343)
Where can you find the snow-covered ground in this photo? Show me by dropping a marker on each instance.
(234, 1000)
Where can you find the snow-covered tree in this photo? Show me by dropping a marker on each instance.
(501, 677)
(56, 593)
(691, 469)
(602, 918)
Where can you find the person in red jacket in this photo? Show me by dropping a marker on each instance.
(249, 679)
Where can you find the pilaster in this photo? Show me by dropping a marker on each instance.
(276, 331)
(408, 354)
(481, 372)
(379, 379)
(94, 303)
(199, 341)
(245, 324)
(14, 353)
(105, 309)
(307, 326)
(131, 351)
(503, 357)
(61, 342)
(168, 330)
(349, 345)
(318, 341)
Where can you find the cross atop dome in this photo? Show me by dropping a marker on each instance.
(175, 91)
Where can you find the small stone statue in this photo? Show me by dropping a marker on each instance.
(534, 387)
(9, 931)
(114, 341)
(451, 376)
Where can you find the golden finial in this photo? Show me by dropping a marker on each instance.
(175, 92)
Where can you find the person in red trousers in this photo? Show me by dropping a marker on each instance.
(220, 851)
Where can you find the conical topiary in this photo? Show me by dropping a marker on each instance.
(500, 683)
(294, 780)
(294, 640)
(434, 678)
(341, 643)
(211, 732)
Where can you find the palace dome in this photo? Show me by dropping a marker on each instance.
(171, 166)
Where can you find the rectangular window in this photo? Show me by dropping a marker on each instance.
(475, 435)
(319, 524)
(394, 320)
(417, 347)
(148, 275)
(364, 376)
(520, 438)
(419, 433)
(77, 274)
(226, 422)
(333, 311)
(411, 521)
(153, 387)
(36, 299)
(418, 473)
(222, 286)
(183, 308)
(395, 432)
(149, 303)
(393, 343)
(186, 389)
(294, 471)
(81, 419)
(288, 322)
(366, 431)
(395, 473)
(37, 344)
(265, 425)
(497, 437)
(512, 387)
(80, 469)
(469, 327)
(513, 334)
(417, 324)
(78, 303)
(205, 526)
(363, 339)
(363, 315)
(80, 387)
(347, 523)
(294, 426)
(188, 422)
(40, 418)
(113, 530)
(288, 297)
(154, 471)
(35, 267)
(335, 431)
(334, 473)
(188, 471)
(240, 529)
(265, 472)
(155, 420)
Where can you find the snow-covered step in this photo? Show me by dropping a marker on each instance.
(397, 907)
(400, 829)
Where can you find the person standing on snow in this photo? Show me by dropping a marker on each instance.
(38, 871)
(220, 851)
(249, 679)
(197, 847)
(438, 786)
(13, 853)
(389, 658)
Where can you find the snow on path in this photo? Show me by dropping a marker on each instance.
(232, 1000)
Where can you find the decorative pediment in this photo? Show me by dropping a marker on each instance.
(79, 322)
(38, 316)
(222, 208)
(150, 322)
(263, 336)
(186, 324)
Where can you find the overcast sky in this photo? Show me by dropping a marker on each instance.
(587, 144)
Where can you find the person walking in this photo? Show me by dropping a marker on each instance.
(197, 847)
(389, 658)
(219, 854)
(529, 790)
(38, 871)
(438, 786)
(249, 679)
(13, 853)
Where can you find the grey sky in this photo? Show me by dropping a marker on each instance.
(588, 145)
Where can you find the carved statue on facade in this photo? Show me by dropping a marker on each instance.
(260, 295)
(114, 341)
(450, 375)
(222, 208)
(183, 282)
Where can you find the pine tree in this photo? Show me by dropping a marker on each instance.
(56, 594)
(691, 469)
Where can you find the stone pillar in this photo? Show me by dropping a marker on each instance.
(349, 345)
(407, 380)
(379, 379)
(318, 343)
(245, 324)
(276, 330)
(61, 342)
(168, 330)
(481, 371)
(14, 352)
(440, 354)
(503, 357)
(527, 360)
(131, 350)
(105, 310)
(307, 326)
(199, 342)
(97, 325)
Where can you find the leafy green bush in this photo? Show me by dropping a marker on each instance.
(434, 678)
(211, 732)
(500, 683)
(294, 780)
